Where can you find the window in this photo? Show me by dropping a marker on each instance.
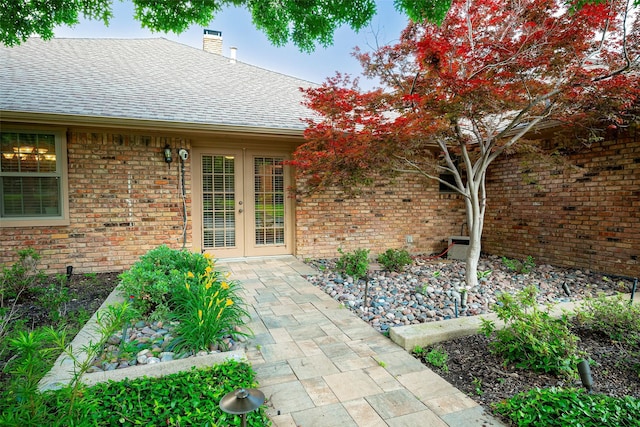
(32, 178)
(449, 178)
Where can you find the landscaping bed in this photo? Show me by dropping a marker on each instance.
(471, 366)
(473, 369)
(41, 314)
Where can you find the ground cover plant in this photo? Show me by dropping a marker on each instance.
(181, 399)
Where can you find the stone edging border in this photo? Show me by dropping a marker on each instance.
(424, 334)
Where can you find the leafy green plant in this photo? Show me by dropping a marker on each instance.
(159, 272)
(556, 407)
(436, 357)
(395, 259)
(520, 267)
(55, 296)
(34, 354)
(208, 308)
(532, 338)
(477, 386)
(355, 263)
(612, 316)
(181, 399)
(21, 276)
(483, 274)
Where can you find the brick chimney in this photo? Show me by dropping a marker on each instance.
(212, 41)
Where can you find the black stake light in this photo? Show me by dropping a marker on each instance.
(241, 402)
(585, 375)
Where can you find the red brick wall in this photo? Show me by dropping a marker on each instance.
(587, 218)
(379, 219)
(123, 201)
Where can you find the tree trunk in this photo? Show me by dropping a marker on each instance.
(475, 208)
(471, 274)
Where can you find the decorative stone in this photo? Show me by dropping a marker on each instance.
(114, 339)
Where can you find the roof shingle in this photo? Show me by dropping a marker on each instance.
(146, 79)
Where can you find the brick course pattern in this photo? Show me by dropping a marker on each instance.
(123, 200)
(379, 219)
(583, 218)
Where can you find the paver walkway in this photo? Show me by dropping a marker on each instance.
(318, 364)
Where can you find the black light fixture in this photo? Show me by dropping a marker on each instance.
(241, 402)
(167, 154)
(585, 375)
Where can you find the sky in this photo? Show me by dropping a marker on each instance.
(253, 46)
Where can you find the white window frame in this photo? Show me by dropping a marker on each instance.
(62, 173)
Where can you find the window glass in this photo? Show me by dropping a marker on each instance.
(30, 176)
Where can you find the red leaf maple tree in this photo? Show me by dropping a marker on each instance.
(455, 97)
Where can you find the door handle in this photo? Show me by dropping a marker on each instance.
(240, 210)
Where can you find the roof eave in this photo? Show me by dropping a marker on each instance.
(138, 124)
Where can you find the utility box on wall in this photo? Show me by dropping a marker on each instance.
(460, 249)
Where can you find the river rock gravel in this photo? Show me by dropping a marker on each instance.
(432, 290)
(149, 342)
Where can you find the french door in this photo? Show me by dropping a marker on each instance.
(244, 209)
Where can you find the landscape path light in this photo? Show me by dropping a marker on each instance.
(585, 375)
(241, 402)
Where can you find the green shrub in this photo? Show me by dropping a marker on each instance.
(532, 339)
(21, 276)
(556, 407)
(612, 316)
(520, 267)
(355, 263)
(55, 296)
(395, 259)
(149, 282)
(208, 307)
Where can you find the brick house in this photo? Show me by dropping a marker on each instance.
(85, 125)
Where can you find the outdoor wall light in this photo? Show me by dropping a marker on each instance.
(167, 154)
(241, 402)
(585, 375)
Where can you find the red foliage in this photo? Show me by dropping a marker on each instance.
(492, 68)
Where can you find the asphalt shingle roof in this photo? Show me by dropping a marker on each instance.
(146, 79)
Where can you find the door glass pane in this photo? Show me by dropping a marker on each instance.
(218, 201)
(269, 200)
